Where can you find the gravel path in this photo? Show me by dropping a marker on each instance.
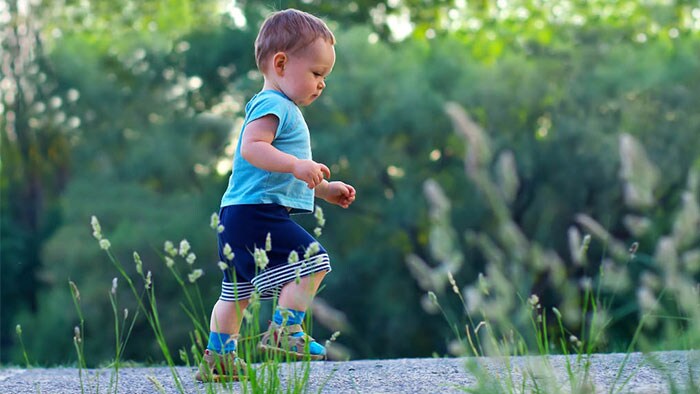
(638, 373)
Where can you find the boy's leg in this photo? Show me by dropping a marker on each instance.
(226, 317)
(295, 298)
(298, 296)
(220, 361)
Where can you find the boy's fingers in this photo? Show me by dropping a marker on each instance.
(351, 191)
(326, 171)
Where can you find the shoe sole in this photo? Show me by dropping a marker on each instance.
(271, 351)
(220, 378)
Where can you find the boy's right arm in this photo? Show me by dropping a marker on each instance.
(257, 149)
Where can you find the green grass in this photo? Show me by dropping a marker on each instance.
(523, 327)
(263, 372)
(533, 330)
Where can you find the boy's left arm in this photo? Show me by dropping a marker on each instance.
(336, 192)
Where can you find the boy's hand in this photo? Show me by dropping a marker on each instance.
(310, 172)
(339, 193)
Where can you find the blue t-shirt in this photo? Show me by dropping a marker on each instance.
(252, 185)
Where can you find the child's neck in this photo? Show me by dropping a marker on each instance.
(270, 84)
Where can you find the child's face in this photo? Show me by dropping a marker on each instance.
(303, 75)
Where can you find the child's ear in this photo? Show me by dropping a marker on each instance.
(279, 60)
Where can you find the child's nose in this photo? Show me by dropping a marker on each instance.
(322, 84)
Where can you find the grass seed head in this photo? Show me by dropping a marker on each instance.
(293, 257)
(105, 244)
(184, 248)
(194, 275)
(96, 228)
(228, 252)
(169, 248)
(139, 263)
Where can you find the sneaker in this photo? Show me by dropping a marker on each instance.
(217, 367)
(290, 341)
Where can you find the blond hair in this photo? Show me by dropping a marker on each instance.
(289, 31)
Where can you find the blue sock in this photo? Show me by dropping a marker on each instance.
(296, 317)
(221, 343)
(292, 316)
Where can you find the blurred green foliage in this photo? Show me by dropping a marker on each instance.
(128, 111)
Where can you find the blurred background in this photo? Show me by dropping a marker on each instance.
(582, 119)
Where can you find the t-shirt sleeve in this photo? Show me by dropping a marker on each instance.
(268, 105)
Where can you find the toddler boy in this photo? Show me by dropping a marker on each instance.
(274, 176)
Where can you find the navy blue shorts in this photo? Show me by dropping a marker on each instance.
(245, 229)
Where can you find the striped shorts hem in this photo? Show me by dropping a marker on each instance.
(269, 283)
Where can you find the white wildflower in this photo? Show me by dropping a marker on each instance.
(318, 232)
(194, 275)
(293, 257)
(428, 305)
(191, 258)
(247, 316)
(268, 242)
(170, 248)
(139, 263)
(215, 223)
(313, 248)
(114, 286)
(169, 262)
(534, 301)
(104, 244)
(584, 245)
(96, 228)
(184, 248)
(228, 252)
(74, 290)
(432, 297)
(453, 283)
(260, 257)
(147, 285)
(318, 214)
(575, 341)
(222, 266)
